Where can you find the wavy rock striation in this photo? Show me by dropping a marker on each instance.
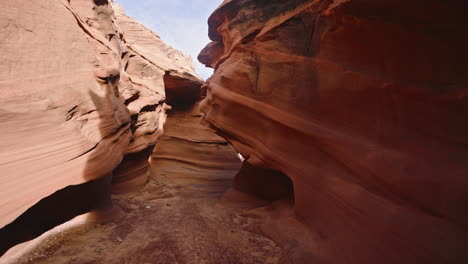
(151, 66)
(186, 141)
(82, 88)
(363, 105)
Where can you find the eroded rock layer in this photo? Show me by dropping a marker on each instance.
(81, 87)
(149, 64)
(363, 104)
(185, 140)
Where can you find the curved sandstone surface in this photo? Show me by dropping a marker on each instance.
(150, 65)
(81, 86)
(363, 104)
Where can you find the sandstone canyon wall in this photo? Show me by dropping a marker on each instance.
(82, 90)
(363, 105)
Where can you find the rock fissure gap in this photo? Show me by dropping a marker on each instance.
(351, 141)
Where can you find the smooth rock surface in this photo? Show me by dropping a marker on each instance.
(81, 87)
(149, 64)
(176, 218)
(61, 125)
(363, 104)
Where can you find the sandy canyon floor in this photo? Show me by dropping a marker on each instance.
(181, 216)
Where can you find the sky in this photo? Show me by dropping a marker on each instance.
(180, 23)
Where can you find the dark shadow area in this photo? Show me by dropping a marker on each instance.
(55, 210)
(266, 184)
(65, 204)
(101, 2)
(181, 91)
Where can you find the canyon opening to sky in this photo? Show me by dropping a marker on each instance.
(233, 132)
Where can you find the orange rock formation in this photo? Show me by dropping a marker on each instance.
(363, 105)
(82, 88)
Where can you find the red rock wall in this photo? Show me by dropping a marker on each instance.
(81, 87)
(363, 104)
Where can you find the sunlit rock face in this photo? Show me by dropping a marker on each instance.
(149, 64)
(81, 89)
(363, 105)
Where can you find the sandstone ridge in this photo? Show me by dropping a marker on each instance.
(363, 105)
(82, 98)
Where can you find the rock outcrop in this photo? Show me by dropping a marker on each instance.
(82, 88)
(363, 105)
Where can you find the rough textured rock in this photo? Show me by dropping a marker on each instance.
(363, 104)
(81, 87)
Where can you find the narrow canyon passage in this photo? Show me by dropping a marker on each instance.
(350, 117)
(181, 215)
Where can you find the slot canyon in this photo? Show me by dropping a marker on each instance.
(330, 132)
